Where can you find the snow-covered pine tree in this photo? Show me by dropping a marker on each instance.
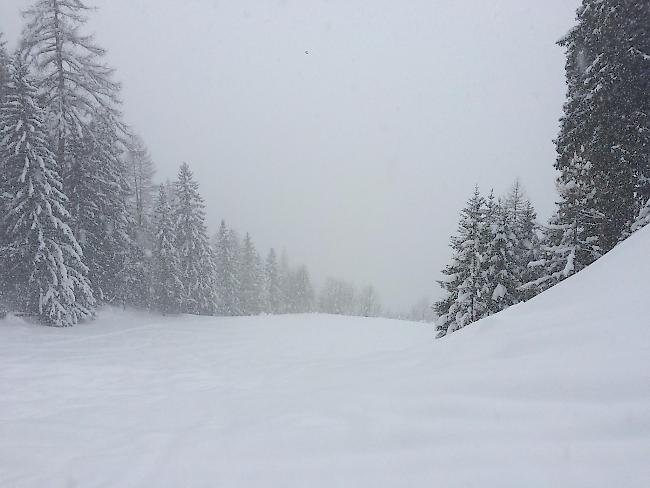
(137, 273)
(272, 290)
(197, 263)
(41, 257)
(464, 279)
(166, 286)
(141, 170)
(501, 276)
(525, 245)
(96, 185)
(72, 78)
(250, 284)
(227, 271)
(285, 278)
(606, 124)
(303, 294)
(530, 250)
(570, 241)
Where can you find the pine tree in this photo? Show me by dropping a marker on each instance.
(250, 283)
(272, 288)
(530, 251)
(41, 258)
(570, 241)
(303, 291)
(98, 191)
(227, 266)
(197, 264)
(604, 142)
(71, 76)
(502, 273)
(286, 297)
(141, 171)
(464, 281)
(167, 288)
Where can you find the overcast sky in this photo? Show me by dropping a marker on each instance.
(348, 132)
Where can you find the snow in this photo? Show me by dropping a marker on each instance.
(553, 392)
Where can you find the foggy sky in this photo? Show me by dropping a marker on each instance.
(357, 155)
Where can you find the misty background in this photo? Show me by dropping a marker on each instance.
(343, 131)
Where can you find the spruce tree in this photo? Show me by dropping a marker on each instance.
(604, 142)
(197, 264)
(303, 291)
(464, 282)
(570, 242)
(227, 266)
(530, 251)
(167, 293)
(42, 260)
(272, 289)
(250, 284)
(98, 191)
(502, 273)
(287, 304)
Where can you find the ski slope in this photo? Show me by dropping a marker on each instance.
(555, 392)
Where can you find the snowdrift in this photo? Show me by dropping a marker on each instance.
(554, 392)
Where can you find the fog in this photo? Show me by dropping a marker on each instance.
(349, 133)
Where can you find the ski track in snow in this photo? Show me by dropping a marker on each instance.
(555, 392)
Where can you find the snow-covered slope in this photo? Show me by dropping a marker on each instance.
(555, 392)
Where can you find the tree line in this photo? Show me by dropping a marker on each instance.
(83, 222)
(501, 256)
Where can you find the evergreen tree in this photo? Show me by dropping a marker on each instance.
(303, 291)
(570, 242)
(250, 279)
(285, 279)
(465, 301)
(524, 243)
(167, 287)
(227, 266)
(272, 288)
(98, 191)
(197, 263)
(502, 273)
(42, 260)
(530, 251)
(141, 171)
(74, 82)
(604, 142)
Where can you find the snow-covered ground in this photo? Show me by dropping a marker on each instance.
(555, 392)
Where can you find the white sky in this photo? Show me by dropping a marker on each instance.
(357, 156)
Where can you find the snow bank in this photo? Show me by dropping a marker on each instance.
(555, 392)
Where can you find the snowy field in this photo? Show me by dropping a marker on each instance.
(553, 393)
